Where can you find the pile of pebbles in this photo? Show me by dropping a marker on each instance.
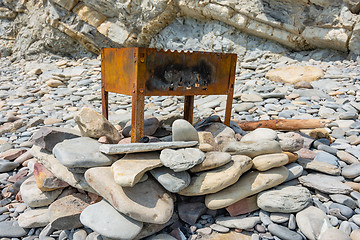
(57, 172)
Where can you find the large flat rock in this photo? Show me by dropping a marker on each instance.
(249, 184)
(142, 147)
(217, 179)
(325, 183)
(145, 202)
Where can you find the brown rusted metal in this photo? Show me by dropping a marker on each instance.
(141, 72)
(188, 108)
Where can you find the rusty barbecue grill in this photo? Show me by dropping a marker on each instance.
(141, 72)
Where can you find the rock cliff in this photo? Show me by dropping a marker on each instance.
(77, 28)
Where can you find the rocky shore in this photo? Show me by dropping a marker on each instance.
(67, 173)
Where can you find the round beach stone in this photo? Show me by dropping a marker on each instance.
(334, 234)
(34, 218)
(181, 159)
(11, 229)
(351, 171)
(170, 180)
(284, 199)
(182, 130)
(212, 160)
(6, 166)
(102, 218)
(241, 222)
(291, 141)
(268, 161)
(217, 179)
(259, 134)
(312, 222)
(283, 232)
(249, 184)
(34, 197)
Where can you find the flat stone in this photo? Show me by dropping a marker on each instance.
(294, 74)
(238, 222)
(60, 171)
(143, 147)
(65, 212)
(182, 130)
(34, 218)
(325, 183)
(12, 154)
(312, 222)
(284, 199)
(283, 232)
(344, 200)
(107, 221)
(248, 184)
(170, 180)
(295, 171)
(260, 134)
(181, 159)
(346, 157)
(243, 206)
(326, 158)
(6, 165)
(252, 149)
(191, 212)
(353, 151)
(335, 234)
(212, 160)
(217, 179)
(93, 124)
(11, 229)
(279, 217)
(291, 141)
(46, 180)
(157, 207)
(344, 210)
(351, 171)
(243, 107)
(328, 149)
(219, 228)
(355, 235)
(129, 170)
(251, 97)
(268, 161)
(48, 137)
(319, 166)
(34, 197)
(81, 152)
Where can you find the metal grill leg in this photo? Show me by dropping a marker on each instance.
(189, 108)
(137, 117)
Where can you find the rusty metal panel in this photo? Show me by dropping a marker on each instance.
(119, 69)
(185, 73)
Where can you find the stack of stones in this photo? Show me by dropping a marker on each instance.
(203, 182)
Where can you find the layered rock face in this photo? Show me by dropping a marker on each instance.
(78, 28)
